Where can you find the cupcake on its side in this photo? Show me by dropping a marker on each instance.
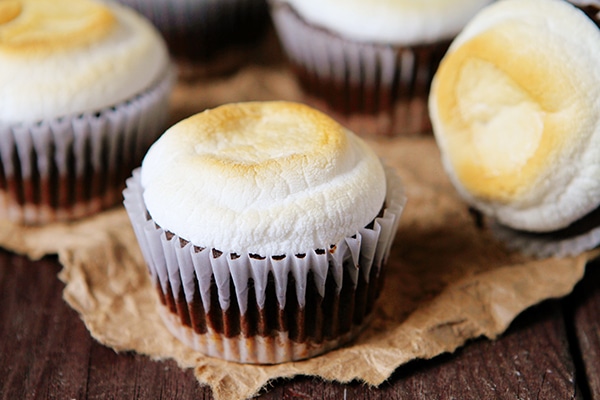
(83, 93)
(369, 63)
(207, 37)
(515, 112)
(266, 227)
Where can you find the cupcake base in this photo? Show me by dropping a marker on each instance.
(266, 308)
(373, 89)
(75, 166)
(263, 335)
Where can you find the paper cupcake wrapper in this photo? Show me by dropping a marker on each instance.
(373, 89)
(265, 309)
(256, 349)
(74, 166)
(543, 246)
(197, 29)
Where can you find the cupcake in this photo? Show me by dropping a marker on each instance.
(266, 228)
(207, 36)
(84, 88)
(370, 63)
(515, 109)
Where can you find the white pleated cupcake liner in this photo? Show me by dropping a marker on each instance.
(74, 166)
(544, 246)
(177, 266)
(374, 89)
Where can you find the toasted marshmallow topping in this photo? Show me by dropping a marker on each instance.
(402, 22)
(515, 109)
(60, 57)
(267, 178)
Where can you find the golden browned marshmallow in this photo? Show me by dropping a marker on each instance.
(515, 109)
(43, 26)
(63, 57)
(266, 178)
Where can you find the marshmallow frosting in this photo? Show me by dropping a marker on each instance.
(402, 22)
(60, 57)
(515, 106)
(266, 178)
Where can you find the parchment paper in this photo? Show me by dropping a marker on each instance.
(447, 280)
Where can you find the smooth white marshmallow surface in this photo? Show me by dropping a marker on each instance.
(401, 22)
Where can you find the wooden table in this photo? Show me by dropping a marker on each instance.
(551, 351)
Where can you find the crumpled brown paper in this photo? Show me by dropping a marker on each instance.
(447, 280)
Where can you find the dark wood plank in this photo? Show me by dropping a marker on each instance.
(531, 361)
(46, 352)
(43, 345)
(586, 327)
(133, 376)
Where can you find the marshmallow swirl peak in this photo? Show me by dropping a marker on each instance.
(267, 178)
(399, 22)
(515, 106)
(63, 57)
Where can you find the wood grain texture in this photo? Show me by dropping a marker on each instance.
(585, 316)
(37, 358)
(531, 361)
(46, 352)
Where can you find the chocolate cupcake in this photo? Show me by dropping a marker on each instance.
(207, 37)
(515, 113)
(266, 228)
(370, 63)
(83, 93)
